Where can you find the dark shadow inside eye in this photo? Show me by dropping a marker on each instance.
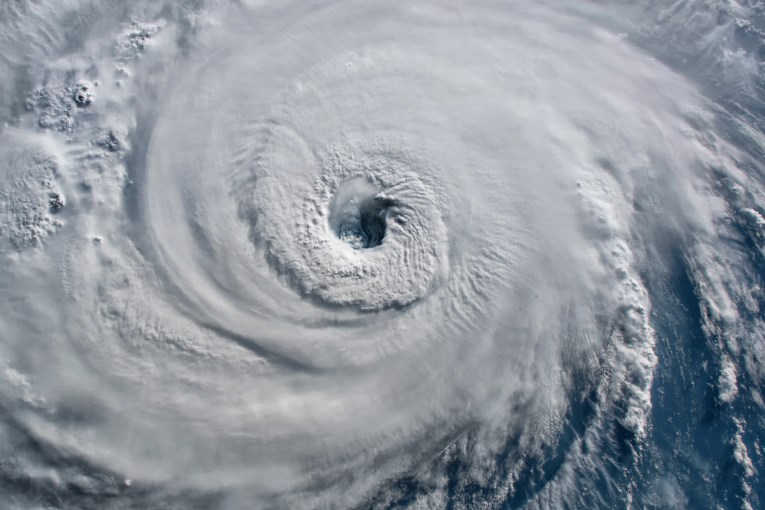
(365, 227)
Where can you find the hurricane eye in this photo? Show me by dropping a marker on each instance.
(359, 215)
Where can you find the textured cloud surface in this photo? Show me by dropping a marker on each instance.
(352, 255)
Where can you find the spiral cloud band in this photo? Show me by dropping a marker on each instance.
(348, 255)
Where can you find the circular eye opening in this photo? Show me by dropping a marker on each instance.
(358, 215)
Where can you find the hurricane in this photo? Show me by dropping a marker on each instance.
(433, 254)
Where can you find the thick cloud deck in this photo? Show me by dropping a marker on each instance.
(326, 256)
